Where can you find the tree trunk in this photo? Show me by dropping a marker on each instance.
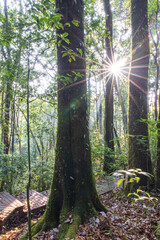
(108, 118)
(156, 41)
(156, 56)
(158, 148)
(100, 107)
(139, 155)
(121, 100)
(2, 114)
(6, 142)
(18, 130)
(73, 194)
(97, 105)
(8, 88)
(13, 125)
(89, 92)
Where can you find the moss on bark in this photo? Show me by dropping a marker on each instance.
(69, 217)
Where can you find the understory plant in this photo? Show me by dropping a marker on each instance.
(131, 178)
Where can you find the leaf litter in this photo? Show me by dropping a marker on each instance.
(123, 220)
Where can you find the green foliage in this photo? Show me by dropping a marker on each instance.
(13, 173)
(152, 128)
(131, 179)
(140, 196)
(97, 151)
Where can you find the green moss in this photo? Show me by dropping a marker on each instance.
(69, 228)
(35, 229)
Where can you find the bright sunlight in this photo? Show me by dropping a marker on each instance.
(116, 67)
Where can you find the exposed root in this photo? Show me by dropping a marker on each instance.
(42, 225)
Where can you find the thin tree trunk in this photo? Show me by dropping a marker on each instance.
(2, 116)
(156, 55)
(13, 124)
(8, 94)
(157, 97)
(29, 159)
(97, 108)
(89, 93)
(108, 118)
(157, 182)
(121, 100)
(7, 119)
(18, 131)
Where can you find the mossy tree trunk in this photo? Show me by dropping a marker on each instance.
(139, 155)
(108, 118)
(73, 195)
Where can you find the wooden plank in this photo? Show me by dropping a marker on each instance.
(46, 193)
(37, 200)
(8, 205)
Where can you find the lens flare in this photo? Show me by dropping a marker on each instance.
(116, 67)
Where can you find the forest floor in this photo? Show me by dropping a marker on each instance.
(124, 220)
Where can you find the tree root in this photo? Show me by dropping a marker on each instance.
(69, 220)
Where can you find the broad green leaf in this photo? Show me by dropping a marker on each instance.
(64, 54)
(64, 35)
(120, 181)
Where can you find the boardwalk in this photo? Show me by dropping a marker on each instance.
(38, 201)
(8, 205)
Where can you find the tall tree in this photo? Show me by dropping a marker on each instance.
(157, 182)
(7, 56)
(108, 118)
(139, 156)
(73, 194)
(154, 33)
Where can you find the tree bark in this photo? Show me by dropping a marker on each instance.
(108, 118)
(8, 95)
(2, 115)
(139, 155)
(73, 194)
(6, 141)
(158, 148)
(122, 102)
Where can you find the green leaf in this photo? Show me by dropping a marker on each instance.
(59, 43)
(120, 181)
(148, 194)
(65, 35)
(137, 179)
(66, 40)
(75, 22)
(80, 51)
(146, 174)
(73, 57)
(67, 24)
(64, 54)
